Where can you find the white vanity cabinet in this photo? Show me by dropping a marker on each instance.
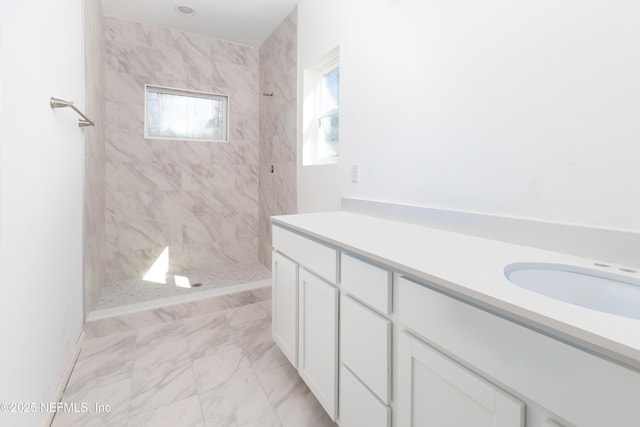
(422, 346)
(305, 311)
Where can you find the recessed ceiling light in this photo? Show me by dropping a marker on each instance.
(185, 10)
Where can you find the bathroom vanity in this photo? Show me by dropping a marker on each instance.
(393, 324)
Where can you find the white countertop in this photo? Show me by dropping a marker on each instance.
(473, 268)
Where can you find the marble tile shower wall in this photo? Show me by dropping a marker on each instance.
(198, 198)
(94, 180)
(278, 190)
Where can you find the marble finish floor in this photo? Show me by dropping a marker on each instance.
(135, 291)
(214, 370)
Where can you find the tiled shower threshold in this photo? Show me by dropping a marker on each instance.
(176, 299)
(137, 295)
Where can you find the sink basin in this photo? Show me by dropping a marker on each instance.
(598, 290)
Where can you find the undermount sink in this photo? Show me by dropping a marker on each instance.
(598, 290)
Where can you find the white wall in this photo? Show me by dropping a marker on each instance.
(40, 199)
(526, 109)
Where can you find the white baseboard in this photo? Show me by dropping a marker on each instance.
(64, 379)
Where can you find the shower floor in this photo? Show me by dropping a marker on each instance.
(127, 292)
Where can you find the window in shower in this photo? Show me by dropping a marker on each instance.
(184, 114)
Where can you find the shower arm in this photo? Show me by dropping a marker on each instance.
(61, 103)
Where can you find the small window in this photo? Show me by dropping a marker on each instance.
(322, 84)
(183, 114)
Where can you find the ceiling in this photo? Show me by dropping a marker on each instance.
(247, 22)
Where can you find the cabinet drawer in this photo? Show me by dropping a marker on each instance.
(316, 257)
(366, 282)
(365, 346)
(358, 406)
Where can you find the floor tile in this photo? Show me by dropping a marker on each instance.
(248, 319)
(238, 401)
(215, 371)
(184, 413)
(209, 335)
(261, 350)
(269, 420)
(100, 406)
(102, 361)
(160, 333)
(215, 368)
(162, 374)
(294, 403)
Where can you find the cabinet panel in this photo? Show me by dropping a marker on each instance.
(558, 377)
(284, 322)
(367, 282)
(436, 391)
(365, 346)
(358, 406)
(318, 353)
(316, 257)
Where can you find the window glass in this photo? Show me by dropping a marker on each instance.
(331, 90)
(321, 111)
(329, 136)
(178, 114)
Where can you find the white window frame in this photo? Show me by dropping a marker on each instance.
(312, 110)
(194, 94)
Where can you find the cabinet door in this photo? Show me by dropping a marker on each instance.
(318, 362)
(284, 302)
(434, 391)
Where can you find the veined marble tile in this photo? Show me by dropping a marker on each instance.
(103, 361)
(162, 374)
(124, 88)
(209, 335)
(249, 319)
(148, 176)
(186, 180)
(182, 152)
(262, 351)
(104, 406)
(234, 53)
(183, 413)
(294, 403)
(246, 225)
(136, 234)
(277, 128)
(206, 227)
(269, 420)
(267, 306)
(125, 205)
(94, 156)
(238, 401)
(221, 369)
(123, 31)
(126, 147)
(245, 151)
(220, 177)
(159, 334)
